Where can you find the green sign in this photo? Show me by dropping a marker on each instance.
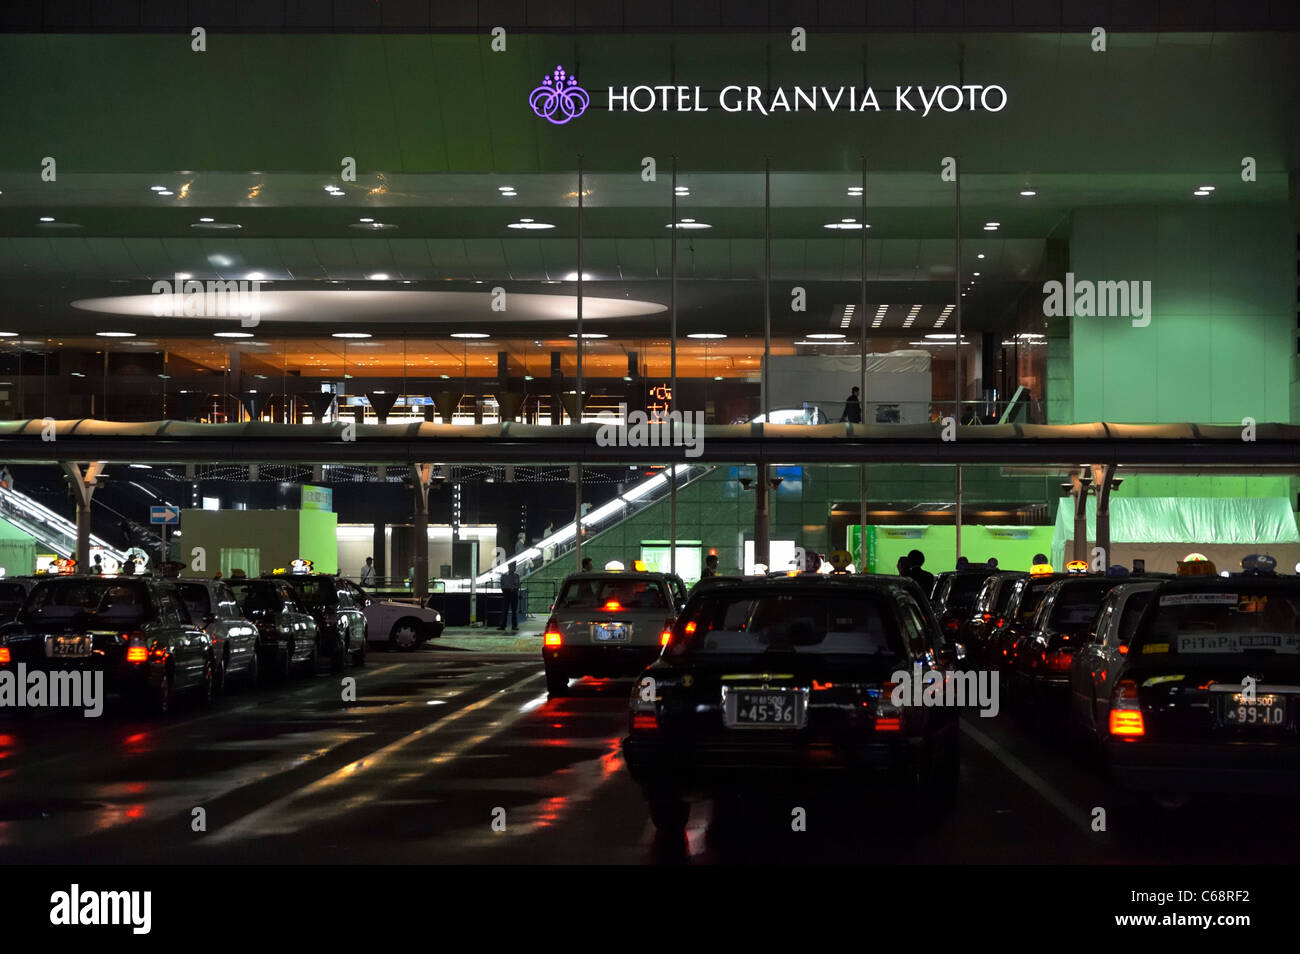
(317, 498)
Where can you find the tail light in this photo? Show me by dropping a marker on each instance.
(951, 625)
(1057, 662)
(5, 656)
(667, 633)
(613, 605)
(1001, 620)
(551, 637)
(136, 650)
(1123, 649)
(889, 717)
(642, 715)
(1125, 711)
(986, 616)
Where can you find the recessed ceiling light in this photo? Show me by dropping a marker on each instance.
(209, 224)
(689, 224)
(1028, 193)
(78, 374)
(157, 188)
(47, 218)
(589, 334)
(365, 220)
(1200, 192)
(1206, 188)
(255, 277)
(232, 334)
(846, 224)
(506, 188)
(707, 335)
(470, 334)
(445, 377)
(976, 274)
(825, 334)
(166, 192)
(115, 334)
(529, 224)
(379, 277)
(808, 342)
(8, 334)
(980, 255)
(350, 334)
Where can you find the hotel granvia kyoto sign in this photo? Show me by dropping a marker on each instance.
(560, 99)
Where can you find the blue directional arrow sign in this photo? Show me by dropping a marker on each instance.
(165, 515)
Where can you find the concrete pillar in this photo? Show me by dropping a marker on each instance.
(83, 488)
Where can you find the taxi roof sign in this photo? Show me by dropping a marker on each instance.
(1077, 566)
(1041, 569)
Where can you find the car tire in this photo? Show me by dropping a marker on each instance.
(208, 684)
(219, 676)
(253, 673)
(668, 811)
(405, 635)
(557, 683)
(164, 699)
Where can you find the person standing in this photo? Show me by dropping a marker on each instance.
(510, 598)
(368, 572)
(852, 408)
(924, 578)
(710, 565)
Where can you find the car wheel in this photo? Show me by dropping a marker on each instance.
(338, 657)
(208, 686)
(668, 811)
(254, 671)
(405, 635)
(557, 683)
(165, 694)
(219, 676)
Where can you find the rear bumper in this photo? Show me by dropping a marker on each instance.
(1197, 767)
(700, 768)
(599, 660)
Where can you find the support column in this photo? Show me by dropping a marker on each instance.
(423, 474)
(83, 484)
(1103, 478)
(762, 522)
(379, 550)
(1079, 489)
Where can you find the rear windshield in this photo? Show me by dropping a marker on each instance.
(1133, 607)
(195, 596)
(962, 591)
(12, 594)
(107, 602)
(256, 597)
(727, 623)
(1077, 604)
(1030, 596)
(628, 594)
(316, 592)
(1237, 620)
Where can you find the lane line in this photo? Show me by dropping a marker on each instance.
(349, 772)
(1045, 790)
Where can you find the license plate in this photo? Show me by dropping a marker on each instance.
(763, 708)
(68, 647)
(1265, 711)
(610, 632)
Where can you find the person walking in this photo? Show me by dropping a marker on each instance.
(510, 598)
(368, 572)
(852, 408)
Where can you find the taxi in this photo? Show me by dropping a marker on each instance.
(1208, 699)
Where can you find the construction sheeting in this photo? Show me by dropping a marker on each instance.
(1258, 522)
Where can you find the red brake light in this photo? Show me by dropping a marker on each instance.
(1125, 711)
(690, 627)
(889, 724)
(5, 657)
(819, 686)
(644, 722)
(551, 636)
(987, 616)
(1057, 661)
(136, 654)
(665, 636)
(1123, 650)
(613, 605)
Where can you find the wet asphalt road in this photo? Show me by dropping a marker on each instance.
(417, 769)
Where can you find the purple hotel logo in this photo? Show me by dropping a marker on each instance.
(559, 98)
